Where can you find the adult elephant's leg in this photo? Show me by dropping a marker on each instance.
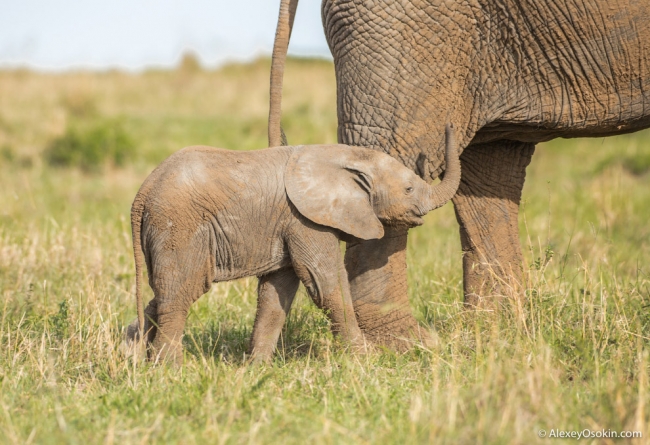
(487, 209)
(377, 274)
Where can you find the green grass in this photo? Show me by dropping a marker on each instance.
(573, 356)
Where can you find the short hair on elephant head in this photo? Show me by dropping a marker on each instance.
(207, 215)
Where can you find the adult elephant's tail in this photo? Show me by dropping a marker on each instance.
(136, 224)
(278, 61)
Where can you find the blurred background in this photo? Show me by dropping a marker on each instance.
(95, 85)
(135, 35)
(94, 94)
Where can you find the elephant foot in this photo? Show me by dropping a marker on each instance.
(487, 210)
(133, 331)
(167, 349)
(390, 327)
(131, 345)
(489, 284)
(362, 345)
(166, 339)
(163, 334)
(170, 353)
(377, 274)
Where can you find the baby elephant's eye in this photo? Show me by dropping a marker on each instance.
(409, 190)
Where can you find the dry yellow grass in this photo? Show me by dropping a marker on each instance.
(36, 107)
(573, 357)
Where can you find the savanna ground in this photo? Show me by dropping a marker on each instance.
(74, 149)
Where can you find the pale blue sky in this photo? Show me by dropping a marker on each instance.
(133, 34)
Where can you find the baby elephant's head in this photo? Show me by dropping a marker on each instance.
(355, 189)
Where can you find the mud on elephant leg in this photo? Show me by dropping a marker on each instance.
(275, 293)
(487, 209)
(377, 274)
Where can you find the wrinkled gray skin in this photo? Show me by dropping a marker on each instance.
(510, 73)
(207, 215)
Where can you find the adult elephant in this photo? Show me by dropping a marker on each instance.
(509, 74)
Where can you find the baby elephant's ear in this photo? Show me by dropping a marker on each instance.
(332, 185)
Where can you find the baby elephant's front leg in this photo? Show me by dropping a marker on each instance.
(317, 261)
(275, 293)
(336, 300)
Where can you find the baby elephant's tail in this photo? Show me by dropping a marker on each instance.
(137, 210)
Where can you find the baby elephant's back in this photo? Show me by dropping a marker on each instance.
(199, 178)
(234, 198)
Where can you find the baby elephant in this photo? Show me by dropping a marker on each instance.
(207, 215)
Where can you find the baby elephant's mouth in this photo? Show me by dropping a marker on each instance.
(414, 219)
(409, 219)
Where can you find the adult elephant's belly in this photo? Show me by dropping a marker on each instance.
(587, 76)
(536, 132)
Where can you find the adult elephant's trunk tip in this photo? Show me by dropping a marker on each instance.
(443, 192)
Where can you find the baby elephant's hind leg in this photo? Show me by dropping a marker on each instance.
(168, 335)
(275, 295)
(180, 276)
(150, 322)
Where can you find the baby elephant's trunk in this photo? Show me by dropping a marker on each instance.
(443, 192)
